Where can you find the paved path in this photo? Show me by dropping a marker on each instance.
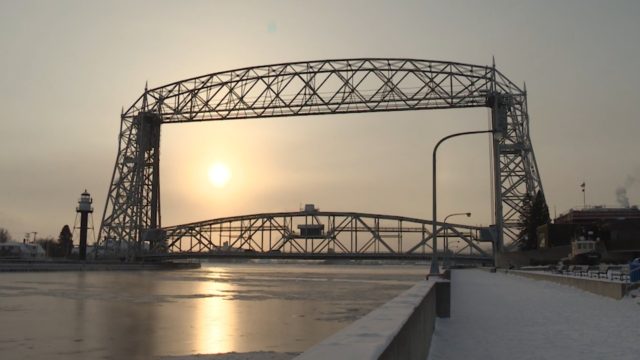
(501, 316)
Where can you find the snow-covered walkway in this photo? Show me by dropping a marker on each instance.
(501, 316)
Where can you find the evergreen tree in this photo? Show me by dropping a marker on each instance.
(536, 213)
(65, 240)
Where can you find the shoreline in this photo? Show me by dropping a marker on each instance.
(37, 266)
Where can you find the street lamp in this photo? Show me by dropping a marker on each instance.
(468, 214)
(435, 267)
(446, 238)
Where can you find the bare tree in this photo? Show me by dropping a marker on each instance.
(4, 235)
(51, 246)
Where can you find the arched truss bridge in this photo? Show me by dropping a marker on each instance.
(132, 211)
(315, 232)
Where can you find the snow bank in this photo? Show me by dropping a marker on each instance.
(500, 316)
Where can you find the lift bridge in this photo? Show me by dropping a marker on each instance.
(313, 234)
(132, 216)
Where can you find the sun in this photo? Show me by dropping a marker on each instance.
(219, 175)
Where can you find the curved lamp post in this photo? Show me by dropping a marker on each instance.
(435, 267)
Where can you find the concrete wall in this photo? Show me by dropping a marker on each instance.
(532, 257)
(400, 329)
(612, 289)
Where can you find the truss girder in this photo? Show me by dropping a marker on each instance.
(323, 87)
(347, 233)
(312, 88)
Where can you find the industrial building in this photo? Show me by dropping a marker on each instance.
(598, 214)
(616, 229)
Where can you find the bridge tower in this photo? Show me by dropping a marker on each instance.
(515, 172)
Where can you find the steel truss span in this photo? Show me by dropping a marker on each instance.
(132, 210)
(322, 232)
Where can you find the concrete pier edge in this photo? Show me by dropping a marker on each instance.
(400, 329)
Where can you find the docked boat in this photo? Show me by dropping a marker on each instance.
(584, 249)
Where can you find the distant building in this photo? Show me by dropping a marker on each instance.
(598, 214)
(553, 235)
(617, 228)
(622, 235)
(18, 250)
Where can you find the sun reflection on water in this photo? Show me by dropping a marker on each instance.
(215, 317)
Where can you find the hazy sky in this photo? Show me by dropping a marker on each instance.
(68, 67)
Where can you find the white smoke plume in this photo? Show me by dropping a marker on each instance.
(621, 197)
(621, 192)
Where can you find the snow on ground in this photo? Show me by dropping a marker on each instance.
(501, 316)
(260, 355)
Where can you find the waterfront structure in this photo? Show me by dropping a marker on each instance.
(597, 214)
(16, 250)
(615, 230)
(84, 209)
(132, 209)
(320, 233)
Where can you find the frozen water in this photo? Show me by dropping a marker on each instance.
(258, 355)
(268, 308)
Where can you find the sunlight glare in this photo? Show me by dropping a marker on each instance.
(219, 175)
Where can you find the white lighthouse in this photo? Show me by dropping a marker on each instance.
(84, 208)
